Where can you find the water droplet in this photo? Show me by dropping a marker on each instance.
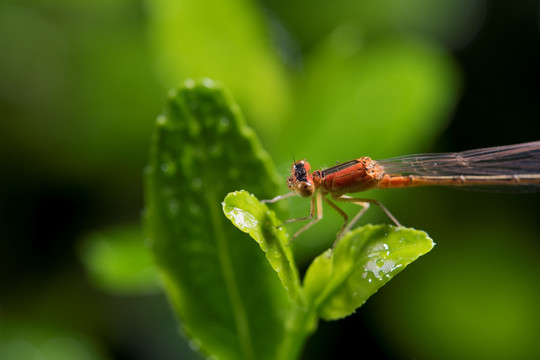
(168, 168)
(380, 267)
(224, 122)
(189, 83)
(195, 344)
(172, 93)
(209, 83)
(379, 248)
(277, 254)
(161, 120)
(243, 220)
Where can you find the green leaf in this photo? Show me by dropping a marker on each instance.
(118, 262)
(225, 40)
(254, 218)
(227, 298)
(337, 283)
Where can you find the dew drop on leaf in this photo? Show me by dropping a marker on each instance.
(209, 83)
(195, 344)
(161, 120)
(168, 168)
(243, 219)
(224, 122)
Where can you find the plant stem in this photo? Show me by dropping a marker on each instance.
(300, 324)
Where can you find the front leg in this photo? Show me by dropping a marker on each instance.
(316, 205)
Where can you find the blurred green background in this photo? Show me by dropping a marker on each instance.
(81, 83)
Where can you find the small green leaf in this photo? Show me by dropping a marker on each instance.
(337, 283)
(118, 262)
(228, 299)
(254, 218)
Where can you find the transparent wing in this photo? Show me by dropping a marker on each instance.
(521, 161)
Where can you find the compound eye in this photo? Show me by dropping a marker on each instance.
(304, 189)
(300, 171)
(290, 182)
